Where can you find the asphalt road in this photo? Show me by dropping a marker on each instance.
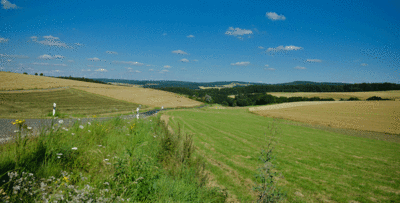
(7, 129)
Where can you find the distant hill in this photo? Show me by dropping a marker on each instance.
(312, 83)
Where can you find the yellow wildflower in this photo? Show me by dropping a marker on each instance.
(66, 179)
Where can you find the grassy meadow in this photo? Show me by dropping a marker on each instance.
(113, 161)
(70, 102)
(317, 165)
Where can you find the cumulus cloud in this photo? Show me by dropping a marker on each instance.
(93, 59)
(244, 63)
(167, 66)
(266, 65)
(49, 64)
(275, 16)
(7, 5)
(271, 69)
(364, 64)
(286, 48)
(260, 47)
(129, 62)
(50, 41)
(314, 60)
(111, 52)
(14, 56)
(46, 56)
(179, 52)
(184, 60)
(238, 31)
(101, 70)
(300, 68)
(190, 36)
(2, 40)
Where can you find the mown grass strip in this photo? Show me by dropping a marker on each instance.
(317, 165)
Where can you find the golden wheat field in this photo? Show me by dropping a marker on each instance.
(392, 94)
(377, 116)
(148, 97)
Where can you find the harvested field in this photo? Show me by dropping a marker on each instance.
(376, 116)
(393, 94)
(144, 96)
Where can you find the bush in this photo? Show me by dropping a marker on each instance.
(25, 73)
(353, 99)
(375, 98)
(36, 73)
(41, 74)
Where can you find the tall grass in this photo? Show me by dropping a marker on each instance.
(113, 161)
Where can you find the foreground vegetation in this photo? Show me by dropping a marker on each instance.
(317, 166)
(114, 161)
(70, 102)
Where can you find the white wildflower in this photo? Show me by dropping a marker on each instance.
(58, 157)
(29, 128)
(105, 159)
(89, 123)
(74, 148)
(72, 133)
(81, 126)
(60, 121)
(59, 154)
(88, 130)
(106, 183)
(99, 145)
(16, 131)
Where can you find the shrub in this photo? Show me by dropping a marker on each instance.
(36, 73)
(375, 98)
(25, 73)
(353, 99)
(41, 74)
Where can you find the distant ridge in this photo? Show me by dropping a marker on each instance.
(312, 83)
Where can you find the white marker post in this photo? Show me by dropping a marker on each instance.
(162, 107)
(54, 109)
(137, 115)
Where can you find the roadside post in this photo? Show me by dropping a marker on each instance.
(162, 107)
(54, 109)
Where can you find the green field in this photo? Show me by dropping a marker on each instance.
(70, 102)
(317, 165)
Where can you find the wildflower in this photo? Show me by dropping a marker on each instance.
(59, 154)
(106, 183)
(89, 123)
(99, 145)
(29, 128)
(74, 148)
(58, 157)
(65, 179)
(72, 133)
(108, 163)
(81, 126)
(88, 130)
(105, 159)
(94, 116)
(16, 131)
(66, 129)
(60, 121)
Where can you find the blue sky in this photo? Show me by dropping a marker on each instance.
(204, 41)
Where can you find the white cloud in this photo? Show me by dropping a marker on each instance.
(71, 61)
(271, 69)
(51, 37)
(300, 68)
(46, 56)
(93, 59)
(129, 62)
(163, 71)
(49, 64)
(14, 56)
(244, 63)
(129, 68)
(94, 66)
(167, 66)
(86, 70)
(151, 70)
(364, 64)
(184, 60)
(2, 40)
(50, 41)
(101, 70)
(260, 47)
(266, 65)
(34, 38)
(314, 60)
(190, 36)
(286, 48)
(148, 65)
(237, 31)
(275, 16)
(179, 52)
(78, 44)
(7, 5)
(135, 71)
(195, 60)
(111, 52)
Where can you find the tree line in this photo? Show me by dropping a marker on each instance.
(257, 94)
